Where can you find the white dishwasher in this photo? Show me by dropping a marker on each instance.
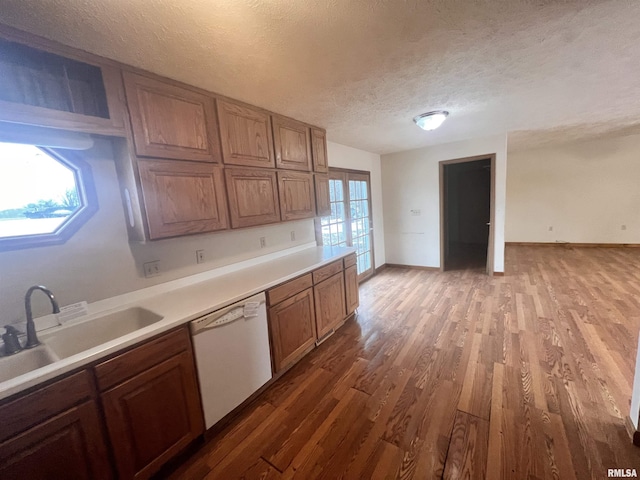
(232, 355)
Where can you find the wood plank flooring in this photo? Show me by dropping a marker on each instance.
(457, 375)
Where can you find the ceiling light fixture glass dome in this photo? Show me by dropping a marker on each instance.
(431, 120)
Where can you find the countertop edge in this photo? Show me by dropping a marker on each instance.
(171, 321)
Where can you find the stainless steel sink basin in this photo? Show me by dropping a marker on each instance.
(25, 361)
(72, 339)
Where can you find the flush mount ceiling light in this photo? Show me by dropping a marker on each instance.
(431, 120)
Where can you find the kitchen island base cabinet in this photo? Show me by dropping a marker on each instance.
(293, 328)
(153, 415)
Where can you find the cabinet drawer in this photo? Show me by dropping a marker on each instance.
(141, 358)
(350, 260)
(28, 410)
(288, 289)
(326, 271)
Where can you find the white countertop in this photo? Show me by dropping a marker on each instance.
(186, 299)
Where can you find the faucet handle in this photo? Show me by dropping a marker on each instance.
(11, 342)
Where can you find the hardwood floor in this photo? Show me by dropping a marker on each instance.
(457, 375)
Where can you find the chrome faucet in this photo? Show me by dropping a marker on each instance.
(32, 338)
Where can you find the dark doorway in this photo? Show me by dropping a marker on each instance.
(466, 213)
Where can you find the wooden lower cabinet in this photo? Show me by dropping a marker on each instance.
(54, 432)
(330, 303)
(293, 328)
(150, 412)
(153, 416)
(351, 288)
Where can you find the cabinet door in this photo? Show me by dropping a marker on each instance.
(245, 136)
(323, 200)
(253, 196)
(297, 195)
(170, 121)
(69, 445)
(182, 198)
(319, 150)
(291, 143)
(351, 289)
(330, 303)
(153, 416)
(293, 328)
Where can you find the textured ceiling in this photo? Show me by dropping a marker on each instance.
(364, 68)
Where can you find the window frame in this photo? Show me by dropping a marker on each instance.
(88, 199)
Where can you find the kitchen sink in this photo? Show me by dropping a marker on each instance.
(25, 361)
(72, 339)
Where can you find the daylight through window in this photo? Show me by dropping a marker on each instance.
(40, 193)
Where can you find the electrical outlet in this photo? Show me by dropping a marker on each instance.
(200, 256)
(152, 269)
(263, 242)
(551, 229)
(623, 227)
(293, 235)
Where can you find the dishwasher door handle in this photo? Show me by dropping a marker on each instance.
(213, 321)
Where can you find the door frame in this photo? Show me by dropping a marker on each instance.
(492, 213)
(346, 174)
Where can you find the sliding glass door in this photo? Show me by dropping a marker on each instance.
(350, 221)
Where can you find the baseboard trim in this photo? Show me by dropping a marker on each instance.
(569, 244)
(413, 267)
(631, 430)
(498, 274)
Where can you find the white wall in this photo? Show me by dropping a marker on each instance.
(586, 191)
(411, 182)
(346, 157)
(98, 262)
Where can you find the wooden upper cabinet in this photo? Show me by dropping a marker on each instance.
(182, 198)
(170, 121)
(291, 143)
(253, 196)
(245, 135)
(319, 150)
(72, 92)
(297, 195)
(323, 200)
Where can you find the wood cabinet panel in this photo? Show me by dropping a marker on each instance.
(323, 199)
(129, 364)
(153, 416)
(286, 290)
(351, 289)
(27, 410)
(68, 445)
(350, 260)
(297, 195)
(253, 196)
(327, 271)
(170, 121)
(182, 198)
(245, 135)
(330, 303)
(319, 150)
(291, 144)
(293, 328)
